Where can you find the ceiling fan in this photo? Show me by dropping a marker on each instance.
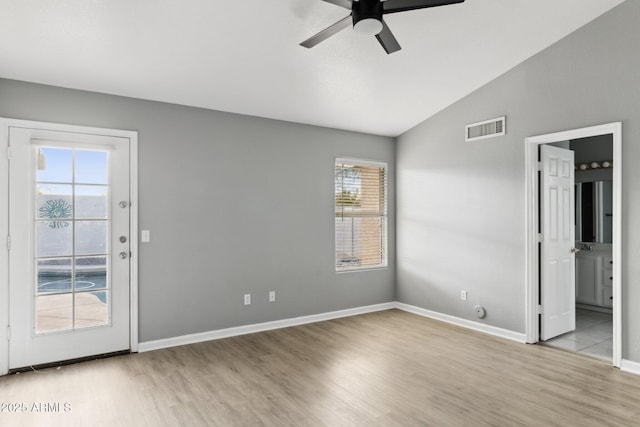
(366, 17)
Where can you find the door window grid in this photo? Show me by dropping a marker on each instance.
(80, 297)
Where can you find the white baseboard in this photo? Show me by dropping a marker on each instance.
(285, 323)
(480, 327)
(629, 366)
(260, 327)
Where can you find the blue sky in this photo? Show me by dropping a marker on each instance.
(90, 166)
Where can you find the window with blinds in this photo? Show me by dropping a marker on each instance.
(361, 214)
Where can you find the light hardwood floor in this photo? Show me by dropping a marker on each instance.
(381, 369)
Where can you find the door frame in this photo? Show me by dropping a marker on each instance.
(5, 125)
(532, 292)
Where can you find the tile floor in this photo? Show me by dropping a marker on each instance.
(593, 335)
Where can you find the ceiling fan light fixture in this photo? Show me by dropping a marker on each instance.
(368, 27)
(367, 17)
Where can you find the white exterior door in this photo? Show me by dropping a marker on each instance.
(557, 275)
(69, 253)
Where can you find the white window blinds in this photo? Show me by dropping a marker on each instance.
(361, 214)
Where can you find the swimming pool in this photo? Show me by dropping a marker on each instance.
(60, 283)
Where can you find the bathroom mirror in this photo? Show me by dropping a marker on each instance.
(594, 206)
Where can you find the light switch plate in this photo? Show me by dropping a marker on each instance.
(145, 236)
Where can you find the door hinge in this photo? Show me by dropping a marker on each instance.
(540, 310)
(540, 166)
(540, 238)
(8, 242)
(8, 333)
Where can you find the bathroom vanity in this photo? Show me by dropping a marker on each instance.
(594, 277)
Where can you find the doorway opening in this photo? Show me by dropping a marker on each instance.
(596, 247)
(70, 277)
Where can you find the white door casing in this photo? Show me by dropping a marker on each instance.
(557, 267)
(532, 279)
(27, 346)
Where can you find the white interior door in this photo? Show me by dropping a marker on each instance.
(69, 274)
(557, 269)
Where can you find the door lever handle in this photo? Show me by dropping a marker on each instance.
(575, 250)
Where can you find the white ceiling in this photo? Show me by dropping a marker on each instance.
(243, 56)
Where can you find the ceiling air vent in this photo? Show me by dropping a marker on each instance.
(486, 129)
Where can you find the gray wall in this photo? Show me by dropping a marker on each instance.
(235, 205)
(461, 206)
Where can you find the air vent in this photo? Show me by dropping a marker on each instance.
(486, 129)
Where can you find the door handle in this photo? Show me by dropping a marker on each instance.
(575, 250)
(123, 255)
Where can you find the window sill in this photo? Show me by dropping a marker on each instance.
(358, 270)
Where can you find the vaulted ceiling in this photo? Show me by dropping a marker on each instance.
(244, 56)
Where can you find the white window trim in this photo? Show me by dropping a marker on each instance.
(385, 243)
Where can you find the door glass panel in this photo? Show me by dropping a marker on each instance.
(53, 241)
(54, 275)
(55, 164)
(71, 222)
(54, 312)
(54, 202)
(54, 212)
(91, 273)
(91, 167)
(91, 201)
(91, 237)
(91, 309)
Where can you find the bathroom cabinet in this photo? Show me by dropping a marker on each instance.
(594, 278)
(607, 281)
(587, 275)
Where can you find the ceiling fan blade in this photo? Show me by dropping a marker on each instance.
(387, 40)
(342, 3)
(327, 32)
(393, 6)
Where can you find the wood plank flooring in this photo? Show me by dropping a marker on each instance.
(382, 369)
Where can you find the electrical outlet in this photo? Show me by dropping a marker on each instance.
(463, 295)
(247, 299)
(272, 296)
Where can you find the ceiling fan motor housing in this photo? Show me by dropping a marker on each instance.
(367, 14)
